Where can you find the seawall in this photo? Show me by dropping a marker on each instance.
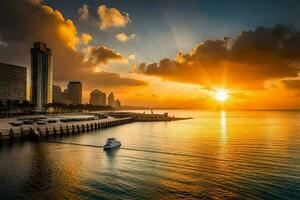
(35, 132)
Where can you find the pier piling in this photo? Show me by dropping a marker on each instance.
(40, 133)
(54, 131)
(11, 135)
(68, 133)
(78, 129)
(61, 131)
(47, 133)
(21, 133)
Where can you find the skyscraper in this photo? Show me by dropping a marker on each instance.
(57, 94)
(12, 82)
(111, 99)
(41, 75)
(97, 97)
(75, 92)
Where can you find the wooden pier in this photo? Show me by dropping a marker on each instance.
(35, 132)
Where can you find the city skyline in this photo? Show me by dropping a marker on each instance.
(150, 99)
(195, 49)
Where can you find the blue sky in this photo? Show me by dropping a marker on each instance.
(165, 27)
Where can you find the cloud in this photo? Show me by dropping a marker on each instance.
(102, 55)
(292, 84)
(109, 79)
(30, 21)
(111, 17)
(83, 12)
(123, 37)
(86, 38)
(247, 61)
(131, 57)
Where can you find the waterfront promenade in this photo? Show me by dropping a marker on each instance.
(34, 131)
(72, 124)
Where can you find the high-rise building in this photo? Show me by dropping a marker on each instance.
(111, 99)
(97, 98)
(41, 75)
(12, 82)
(65, 96)
(75, 92)
(117, 103)
(57, 94)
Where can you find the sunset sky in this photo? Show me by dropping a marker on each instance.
(167, 53)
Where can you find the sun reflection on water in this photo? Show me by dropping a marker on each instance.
(223, 127)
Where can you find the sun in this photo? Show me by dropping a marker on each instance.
(221, 95)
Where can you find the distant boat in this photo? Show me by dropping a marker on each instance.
(111, 143)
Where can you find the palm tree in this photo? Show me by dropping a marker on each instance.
(2, 108)
(9, 107)
(25, 106)
(16, 106)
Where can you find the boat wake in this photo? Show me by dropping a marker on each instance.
(142, 150)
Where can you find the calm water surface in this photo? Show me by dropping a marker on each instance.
(216, 155)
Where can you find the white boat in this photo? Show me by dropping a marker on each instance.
(111, 143)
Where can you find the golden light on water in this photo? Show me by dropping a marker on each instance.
(221, 95)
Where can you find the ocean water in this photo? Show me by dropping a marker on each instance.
(216, 155)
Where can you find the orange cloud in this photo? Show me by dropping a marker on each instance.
(111, 17)
(102, 55)
(131, 57)
(30, 21)
(86, 38)
(123, 37)
(293, 84)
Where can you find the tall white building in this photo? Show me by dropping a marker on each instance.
(41, 75)
(97, 98)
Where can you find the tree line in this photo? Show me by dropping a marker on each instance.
(12, 108)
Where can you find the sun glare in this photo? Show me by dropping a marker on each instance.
(221, 95)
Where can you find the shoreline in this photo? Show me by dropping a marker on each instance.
(73, 124)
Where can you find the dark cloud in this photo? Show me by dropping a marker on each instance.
(23, 22)
(245, 62)
(109, 79)
(101, 55)
(292, 84)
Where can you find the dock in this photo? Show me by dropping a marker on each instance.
(64, 125)
(144, 117)
(36, 132)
